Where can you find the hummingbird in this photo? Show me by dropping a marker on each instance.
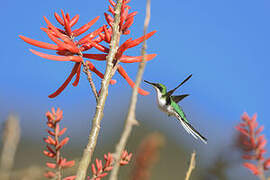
(169, 104)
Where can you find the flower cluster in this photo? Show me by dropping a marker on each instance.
(54, 145)
(147, 156)
(69, 49)
(253, 144)
(99, 171)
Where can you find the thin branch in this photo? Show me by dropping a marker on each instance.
(92, 141)
(90, 79)
(11, 137)
(192, 165)
(131, 119)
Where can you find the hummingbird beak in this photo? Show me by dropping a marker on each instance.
(153, 84)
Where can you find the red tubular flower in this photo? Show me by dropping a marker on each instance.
(66, 47)
(123, 73)
(54, 144)
(126, 20)
(253, 144)
(99, 170)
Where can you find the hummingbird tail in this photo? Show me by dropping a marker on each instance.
(191, 130)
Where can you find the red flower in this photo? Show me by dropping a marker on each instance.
(66, 47)
(126, 20)
(253, 144)
(70, 50)
(54, 144)
(99, 170)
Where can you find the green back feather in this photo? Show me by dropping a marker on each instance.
(179, 111)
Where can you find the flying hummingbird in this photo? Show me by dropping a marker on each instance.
(168, 104)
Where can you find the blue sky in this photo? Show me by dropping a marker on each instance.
(224, 44)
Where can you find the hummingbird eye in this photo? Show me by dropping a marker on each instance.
(159, 87)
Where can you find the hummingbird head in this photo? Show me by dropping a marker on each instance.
(160, 88)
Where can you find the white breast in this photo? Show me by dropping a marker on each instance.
(162, 104)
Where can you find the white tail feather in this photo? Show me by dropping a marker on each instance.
(191, 130)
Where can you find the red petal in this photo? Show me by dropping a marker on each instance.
(122, 48)
(72, 48)
(100, 47)
(242, 130)
(123, 16)
(70, 178)
(108, 34)
(57, 58)
(94, 170)
(112, 3)
(66, 23)
(253, 118)
(92, 68)
(101, 57)
(58, 33)
(135, 42)
(68, 164)
(258, 131)
(50, 175)
(64, 85)
(50, 149)
(130, 82)
(39, 43)
(99, 165)
(111, 10)
(59, 19)
(90, 36)
(126, 32)
(84, 28)
(68, 17)
(46, 153)
(78, 73)
(261, 144)
(128, 23)
(248, 157)
(109, 19)
(50, 132)
(51, 165)
(74, 20)
(266, 164)
(131, 43)
(245, 117)
(132, 59)
(252, 168)
(102, 175)
(62, 131)
(62, 143)
(131, 14)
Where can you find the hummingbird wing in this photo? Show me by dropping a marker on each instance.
(191, 130)
(179, 98)
(169, 93)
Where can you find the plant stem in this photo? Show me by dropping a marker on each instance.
(131, 118)
(90, 79)
(92, 141)
(191, 165)
(58, 155)
(11, 137)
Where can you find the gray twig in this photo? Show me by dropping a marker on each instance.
(131, 119)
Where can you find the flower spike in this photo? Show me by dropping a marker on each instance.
(253, 145)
